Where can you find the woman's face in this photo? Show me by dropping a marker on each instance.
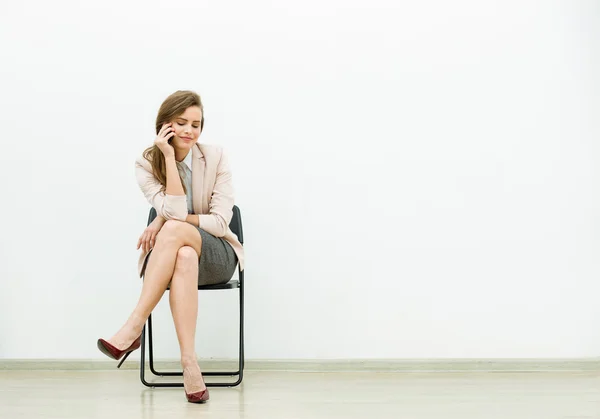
(187, 128)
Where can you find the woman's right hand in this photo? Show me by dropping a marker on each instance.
(162, 140)
(148, 237)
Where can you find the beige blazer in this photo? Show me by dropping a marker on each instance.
(212, 195)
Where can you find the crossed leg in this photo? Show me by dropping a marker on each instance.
(175, 260)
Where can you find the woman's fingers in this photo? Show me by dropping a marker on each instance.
(147, 243)
(165, 128)
(162, 139)
(144, 240)
(147, 240)
(141, 241)
(166, 132)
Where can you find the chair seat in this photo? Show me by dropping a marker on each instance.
(227, 286)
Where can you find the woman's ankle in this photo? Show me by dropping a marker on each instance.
(192, 376)
(136, 323)
(130, 331)
(189, 361)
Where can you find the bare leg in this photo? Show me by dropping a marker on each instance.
(159, 271)
(184, 307)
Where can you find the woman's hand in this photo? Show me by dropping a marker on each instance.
(148, 237)
(162, 140)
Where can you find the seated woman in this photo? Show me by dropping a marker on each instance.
(189, 184)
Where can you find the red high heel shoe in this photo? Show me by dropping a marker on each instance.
(198, 397)
(115, 353)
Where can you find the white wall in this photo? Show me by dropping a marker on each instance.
(417, 179)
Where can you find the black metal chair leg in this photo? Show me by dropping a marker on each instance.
(242, 353)
(151, 349)
(143, 360)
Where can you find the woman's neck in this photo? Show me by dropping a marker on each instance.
(180, 154)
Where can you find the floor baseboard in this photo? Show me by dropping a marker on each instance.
(325, 365)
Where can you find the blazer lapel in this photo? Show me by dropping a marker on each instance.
(198, 165)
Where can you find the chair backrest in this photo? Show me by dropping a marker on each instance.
(151, 216)
(235, 225)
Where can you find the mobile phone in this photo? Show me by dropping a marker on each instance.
(170, 141)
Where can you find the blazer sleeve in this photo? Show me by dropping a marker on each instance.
(170, 207)
(216, 222)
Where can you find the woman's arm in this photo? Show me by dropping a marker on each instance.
(170, 203)
(168, 206)
(174, 186)
(192, 219)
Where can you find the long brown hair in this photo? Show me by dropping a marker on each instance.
(171, 108)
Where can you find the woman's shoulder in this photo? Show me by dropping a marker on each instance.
(142, 161)
(212, 153)
(210, 149)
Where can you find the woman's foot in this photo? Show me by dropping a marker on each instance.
(130, 331)
(193, 383)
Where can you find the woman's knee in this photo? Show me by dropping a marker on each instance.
(169, 231)
(171, 227)
(186, 258)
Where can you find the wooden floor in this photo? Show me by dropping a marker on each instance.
(289, 395)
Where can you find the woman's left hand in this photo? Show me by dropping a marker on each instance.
(148, 237)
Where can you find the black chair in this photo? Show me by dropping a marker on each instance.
(236, 227)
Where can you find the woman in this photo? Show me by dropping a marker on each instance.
(189, 185)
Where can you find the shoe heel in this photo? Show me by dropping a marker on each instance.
(124, 358)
